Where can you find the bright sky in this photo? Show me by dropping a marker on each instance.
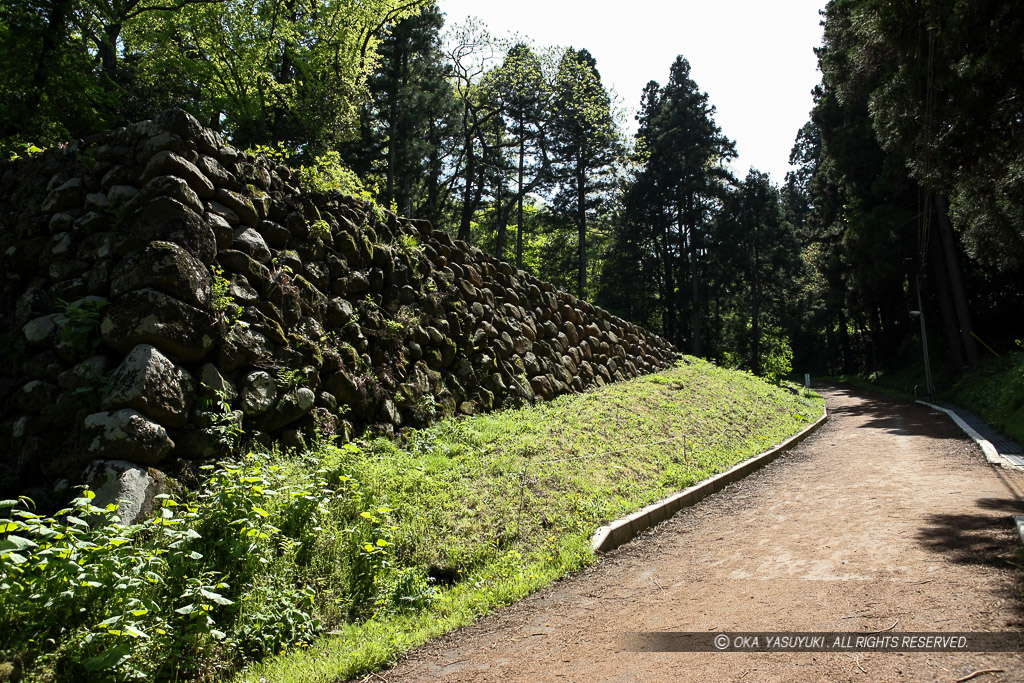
(754, 58)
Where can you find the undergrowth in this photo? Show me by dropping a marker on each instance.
(328, 564)
(995, 392)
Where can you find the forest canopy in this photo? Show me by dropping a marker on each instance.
(906, 189)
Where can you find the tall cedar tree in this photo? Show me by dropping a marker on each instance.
(882, 232)
(678, 190)
(584, 139)
(755, 258)
(408, 119)
(950, 98)
(522, 93)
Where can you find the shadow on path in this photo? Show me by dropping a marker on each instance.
(878, 411)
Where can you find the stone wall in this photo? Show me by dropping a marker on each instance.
(166, 297)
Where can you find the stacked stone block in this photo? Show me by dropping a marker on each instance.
(166, 297)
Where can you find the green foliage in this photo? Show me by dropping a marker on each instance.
(265, 76)
(217, 416)
(408, 117)
(408, 243)
(658, 274)
(383, 544)
(776, 356)
(498, 505)
(220, 294)
(995, 392)
(80, 322)
(943, 98)
(256, 560)
(290, 378)
(327, 173)
(23, 151)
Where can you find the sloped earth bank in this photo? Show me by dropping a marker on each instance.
(886, 520)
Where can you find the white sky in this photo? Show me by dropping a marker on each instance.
(754, 58)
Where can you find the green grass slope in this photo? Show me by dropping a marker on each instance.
(327, 564)
(500, 505)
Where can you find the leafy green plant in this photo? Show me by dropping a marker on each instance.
(327, 173)
(290, 378)
(278, 153)
(995, 392)
(221, 299)
(259, 559)
(80, 322)
(465, 514)
(382, 544)
(24, 150)
(217, 415)
(776, 356)
(408, 243)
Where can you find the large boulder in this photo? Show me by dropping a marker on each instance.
(132, 488)
(166, 267)
(251, 242)
(147, 316)
(169, 220)
(290, 407)
(149, 382)
(259, 392)
(126, 435)
(167, 162)
(69, 195)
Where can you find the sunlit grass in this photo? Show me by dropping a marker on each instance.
(497, 506)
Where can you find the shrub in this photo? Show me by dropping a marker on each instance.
(255, 561)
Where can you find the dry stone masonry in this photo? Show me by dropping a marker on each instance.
(166, 298)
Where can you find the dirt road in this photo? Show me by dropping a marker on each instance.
(886, 520)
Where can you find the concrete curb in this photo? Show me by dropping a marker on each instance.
(991, 454)
(620, 531)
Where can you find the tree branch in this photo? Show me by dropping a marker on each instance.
(170, 8)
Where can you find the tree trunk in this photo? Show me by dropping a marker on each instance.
(844, 342)
(755, 312)
(581, 223)
(108, 52)
(695, 315)
(668, 290)
(467, 195)
(392, 159)
(945, 299)
(432, 209)
(963, 312)
(519, 217)
(501, 237)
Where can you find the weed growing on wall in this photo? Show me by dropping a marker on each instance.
(80, 323)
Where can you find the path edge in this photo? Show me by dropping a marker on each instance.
(611, 536)
(991, 454)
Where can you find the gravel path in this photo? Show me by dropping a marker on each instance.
(886, 519)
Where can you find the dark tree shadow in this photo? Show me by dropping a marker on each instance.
(894, 416)
(976, 539)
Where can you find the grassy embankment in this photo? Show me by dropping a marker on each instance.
(331, 563)
(466, 513)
